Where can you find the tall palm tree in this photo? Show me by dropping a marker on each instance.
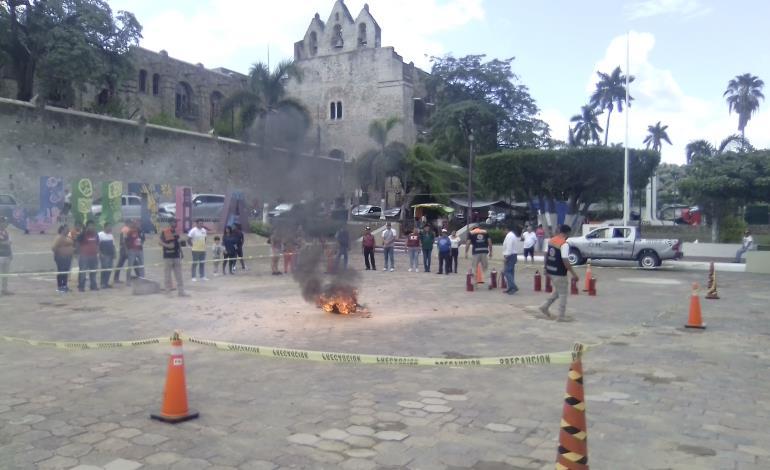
(743, 94)
(587, 126)
(656, 135)
(699, 149)
(610, 93)
(378, 164)
(265, 95)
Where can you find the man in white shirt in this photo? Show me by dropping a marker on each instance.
(510, 257)
(388, 244)
(530, 240)
(748, 243)
(197, 238)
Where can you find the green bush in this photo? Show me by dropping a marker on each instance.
(731, 230)
(165, 120)
(260, 229)
(497, 235)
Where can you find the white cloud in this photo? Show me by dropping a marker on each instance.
(658, 97)
(236, 33)
(650, 8)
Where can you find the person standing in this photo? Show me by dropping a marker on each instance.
(413, 248)
(197, 238)
(388, 244)
(134, 250)
(367, 244)
(540, 234)
(482, 248)
(63, 248)
(230, 242)
(748, 243)
(122, 252)
(343, 245)
(557, 265)
(88, 251)
(6, 255)
(426, 241)
(530, 240)
(455, 252)
(106, 255)
(444, 253)
(172, 258)
(510, 258)
(217, 250)
(238, 232)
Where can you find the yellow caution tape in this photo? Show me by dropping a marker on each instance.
(72, 345)
(563, 357)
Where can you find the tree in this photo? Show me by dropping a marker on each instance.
(265, 99)
(422, 173)
(669, 176)
(376, 165)
(743, 94)
(451, 126)
(703, 149)
(610, 93)
(63, 44)
(698, 149)
(656, 135)
(469, 79)
(587, 126)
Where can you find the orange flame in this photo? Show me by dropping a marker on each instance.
(341, 300)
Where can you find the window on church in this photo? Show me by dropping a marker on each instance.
(216, 107)
(183, 104)
(339, 109)
(143, 81)
(313, 43)
(337, 41)
(335, 110)
(155, 84)
(362, 35)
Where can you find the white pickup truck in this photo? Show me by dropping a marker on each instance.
(623, 243)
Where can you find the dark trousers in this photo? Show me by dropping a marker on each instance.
(122, 257)
(198, 261)
(509, 272)
(106, 263)
(444, 262)
(63, 265)
(85, 263)
(229, 262)
(426, 258)
(455, 254)
(369, 258)
(239, 254)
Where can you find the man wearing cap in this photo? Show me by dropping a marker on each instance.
(367, 244)
(557, 265)
(172, 258)
(444, 253)
(479, 239)
(5, 255)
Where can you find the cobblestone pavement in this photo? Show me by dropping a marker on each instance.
(658, 397)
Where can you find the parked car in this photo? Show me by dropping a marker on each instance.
(280, 209)
(374, 212)
(8, 204)
(623, 243)
(204, 206)
(130, 206)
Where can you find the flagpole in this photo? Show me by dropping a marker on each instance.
(626, 195)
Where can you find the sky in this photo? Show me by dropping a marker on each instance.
(682, 52)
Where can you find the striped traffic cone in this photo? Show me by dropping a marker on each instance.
(573, 435)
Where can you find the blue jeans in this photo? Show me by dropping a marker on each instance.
(388, 251)
(414, 257)
(87, 263)
(344, 255)
(198, 260)
(135, 258)
(106, 263)
(426, 259)
(510, 266)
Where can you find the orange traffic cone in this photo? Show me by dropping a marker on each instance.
(573, 436)
(174, 409)
(479, 274)
(695, 320)
(589, 275)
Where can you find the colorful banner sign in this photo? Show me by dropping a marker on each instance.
(112, 212)
(82, 199)
(183, 209)
(151, 195)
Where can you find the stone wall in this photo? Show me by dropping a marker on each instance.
(38, 142)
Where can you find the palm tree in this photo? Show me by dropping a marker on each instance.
(743, 94)
(610, 92)
(699, 149)
(656, 136)
(382, 162)
(587, 126)
(265, 95)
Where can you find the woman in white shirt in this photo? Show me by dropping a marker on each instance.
(530, 240)
(455, 241)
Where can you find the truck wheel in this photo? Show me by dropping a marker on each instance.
(649, 260)
(575, 258)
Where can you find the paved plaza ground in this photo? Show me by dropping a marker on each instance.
(658, 397)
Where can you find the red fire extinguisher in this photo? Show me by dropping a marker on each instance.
(538, 282)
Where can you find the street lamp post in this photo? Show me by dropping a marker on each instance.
(470, 179)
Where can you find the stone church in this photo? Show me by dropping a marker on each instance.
(349, 80)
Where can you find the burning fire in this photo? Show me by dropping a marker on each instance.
(339, 299)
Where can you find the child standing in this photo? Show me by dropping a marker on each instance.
(230, 242)
(216, 252)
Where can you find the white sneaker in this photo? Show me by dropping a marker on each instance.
(385, 269)
(410, 270)
(205, 279)
(392, 269)
(194, 280)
